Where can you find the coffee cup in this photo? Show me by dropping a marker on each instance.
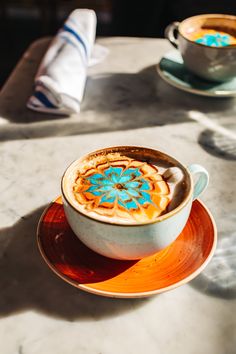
(207, 44)
(129, 202)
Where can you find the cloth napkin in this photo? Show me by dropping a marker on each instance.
(61, 77)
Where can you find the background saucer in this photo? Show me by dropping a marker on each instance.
(78, 265)
(172, 70)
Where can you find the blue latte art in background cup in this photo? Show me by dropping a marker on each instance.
(129, 202)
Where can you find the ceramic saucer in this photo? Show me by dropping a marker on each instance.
(177, 264)
(172, 70)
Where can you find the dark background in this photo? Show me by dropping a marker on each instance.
(23, 21)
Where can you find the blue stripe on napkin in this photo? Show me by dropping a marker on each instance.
(69, 41)
(77, 36)
(44, 100)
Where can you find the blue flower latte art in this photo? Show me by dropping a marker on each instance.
(121, 187)
(212, 38)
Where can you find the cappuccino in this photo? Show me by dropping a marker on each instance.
(124, 187)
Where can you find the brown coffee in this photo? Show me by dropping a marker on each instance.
(126, 186)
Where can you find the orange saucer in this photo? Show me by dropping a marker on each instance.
(177, 264)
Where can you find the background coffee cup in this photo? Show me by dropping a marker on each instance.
(211, 63)
(134, 241)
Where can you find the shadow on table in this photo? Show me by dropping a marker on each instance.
(218, 278)
(112, 102)
(218, 145)
(27, 284)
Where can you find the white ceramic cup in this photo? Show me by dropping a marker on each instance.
(133, 241)
(208, 62)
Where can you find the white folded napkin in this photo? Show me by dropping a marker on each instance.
(61, 77)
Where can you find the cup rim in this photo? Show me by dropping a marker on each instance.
(232, 17)
(159, 218)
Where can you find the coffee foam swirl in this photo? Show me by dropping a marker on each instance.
(121, 189)
(212, 37)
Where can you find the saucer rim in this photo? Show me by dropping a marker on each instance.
(131, 295)
(217, 93)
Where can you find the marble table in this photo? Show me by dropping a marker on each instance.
(125, 102)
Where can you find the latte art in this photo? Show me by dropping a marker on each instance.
(213, 38)
(121, 188)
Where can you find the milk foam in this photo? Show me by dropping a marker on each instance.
(172, 175)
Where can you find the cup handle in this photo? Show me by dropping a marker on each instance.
(171, 32)
(202, 181)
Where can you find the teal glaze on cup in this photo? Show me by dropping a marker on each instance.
(208, 62)
(202, 181)
(134, 241)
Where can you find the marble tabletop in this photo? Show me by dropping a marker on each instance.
(125, 103)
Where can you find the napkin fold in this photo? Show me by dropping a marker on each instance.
(61, 77)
